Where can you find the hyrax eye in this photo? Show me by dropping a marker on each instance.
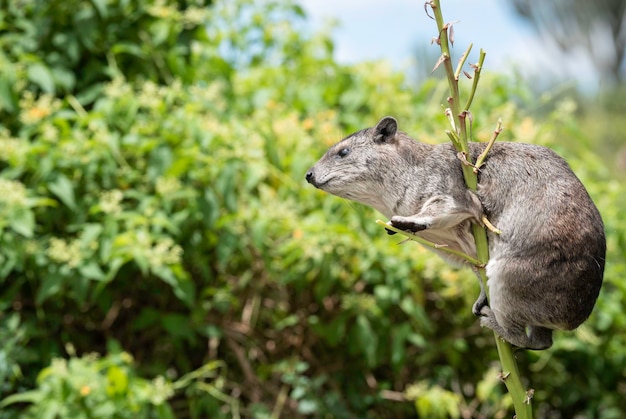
(343, 152)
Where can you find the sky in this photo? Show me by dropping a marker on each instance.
(395, 29)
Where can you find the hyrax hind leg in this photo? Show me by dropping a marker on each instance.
(537, 337)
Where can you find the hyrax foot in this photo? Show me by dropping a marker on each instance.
(412, 224)
(479, 304)
(538, 338)
(488, 318)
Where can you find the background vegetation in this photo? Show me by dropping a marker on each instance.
(161, 255)
(597, 28)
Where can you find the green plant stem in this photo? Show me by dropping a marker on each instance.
(510, 374)
(511, 377)
(477, 71)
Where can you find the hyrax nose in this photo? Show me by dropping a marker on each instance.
(310, 177)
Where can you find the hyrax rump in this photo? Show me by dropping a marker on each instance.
(546, 266)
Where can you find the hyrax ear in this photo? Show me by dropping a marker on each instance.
(385, 130)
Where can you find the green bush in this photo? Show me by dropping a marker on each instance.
(94, 387)
(162, 221)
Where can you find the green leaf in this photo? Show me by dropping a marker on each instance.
(23, 222)
(147, 318)
(8, 100)
(80, 288)
(65, 79)
(185, 291)
(41, 76)
(64, 190)
(160, 31)
(106, 410)
(90, 94)
(178, 325)
(117, 381)
(101, 7)
(51, 410)
(92, 271)
(50, 286)
(366, 339)
(128, 48)
(398, 339)
(90, 232)
(307, 406)
(33, 396)
(164, 411)
(183, 288)
(288, 321)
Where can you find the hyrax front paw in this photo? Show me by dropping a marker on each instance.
(412, 224)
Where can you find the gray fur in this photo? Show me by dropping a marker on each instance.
(545, 269)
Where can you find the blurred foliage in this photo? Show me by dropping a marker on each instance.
(597, 29)
(73, 47)
(153, 211)
(94, 387)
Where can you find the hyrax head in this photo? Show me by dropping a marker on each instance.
(355, 168)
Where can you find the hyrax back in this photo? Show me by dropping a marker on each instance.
(545, 268)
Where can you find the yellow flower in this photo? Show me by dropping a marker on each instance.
(110, 201)
(12, 193)
(63, 252)
(194, 16)
(167, 185)
(36, 110)
(164, 252)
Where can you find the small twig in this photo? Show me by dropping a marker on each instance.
(428, 3)
(441, 59)
(75, 104)
(477, 68)
(395, 396)
(529, 395)
(246, 367)
(280, 402)
(462, 60)
(111, 315)
(462, 156)
(462, 117)
(490, 226)
(502, 376)
(427, 243)
(453, 137)
(481, 159)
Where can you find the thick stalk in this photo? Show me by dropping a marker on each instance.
(510, 373)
